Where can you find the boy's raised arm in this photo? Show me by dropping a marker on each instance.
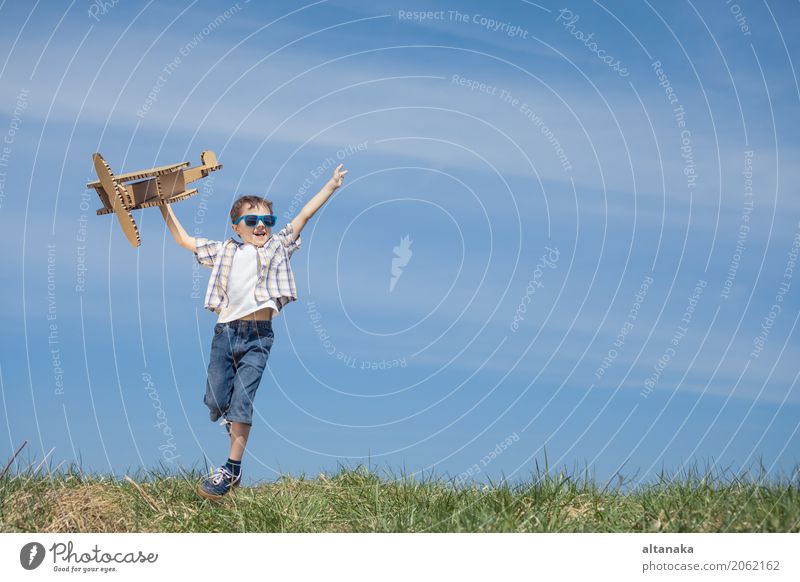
(311, 207)
(177, 230)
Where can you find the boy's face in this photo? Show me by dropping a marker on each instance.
(255, 235)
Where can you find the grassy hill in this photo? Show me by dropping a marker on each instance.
(357, 500)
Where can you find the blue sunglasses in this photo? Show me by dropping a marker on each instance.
(251, 220)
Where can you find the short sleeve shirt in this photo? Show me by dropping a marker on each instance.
(275, 279)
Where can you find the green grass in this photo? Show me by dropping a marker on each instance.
(359, 500)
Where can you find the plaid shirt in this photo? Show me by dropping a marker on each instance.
(275, 278)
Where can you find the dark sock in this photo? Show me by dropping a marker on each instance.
(234, 467)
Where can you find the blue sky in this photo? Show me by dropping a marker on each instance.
(486, 137)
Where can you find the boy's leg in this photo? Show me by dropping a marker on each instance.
(253, 345)
(239, 434)
(246, 380)
(221, 371)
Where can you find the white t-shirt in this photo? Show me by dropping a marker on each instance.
(241, 286)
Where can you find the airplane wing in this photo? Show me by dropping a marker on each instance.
(141, 174)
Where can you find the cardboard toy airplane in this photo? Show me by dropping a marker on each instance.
(145, 188)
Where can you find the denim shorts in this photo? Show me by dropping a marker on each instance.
(239, 353)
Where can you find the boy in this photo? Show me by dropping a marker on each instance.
(251, 281)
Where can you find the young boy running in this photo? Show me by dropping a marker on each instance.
(251, 282)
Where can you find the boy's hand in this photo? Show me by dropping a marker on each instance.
(177, 230)
(338, 176)
(311, 207)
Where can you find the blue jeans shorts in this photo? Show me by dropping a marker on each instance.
(239, 353)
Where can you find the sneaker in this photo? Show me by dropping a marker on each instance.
(218, 484)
